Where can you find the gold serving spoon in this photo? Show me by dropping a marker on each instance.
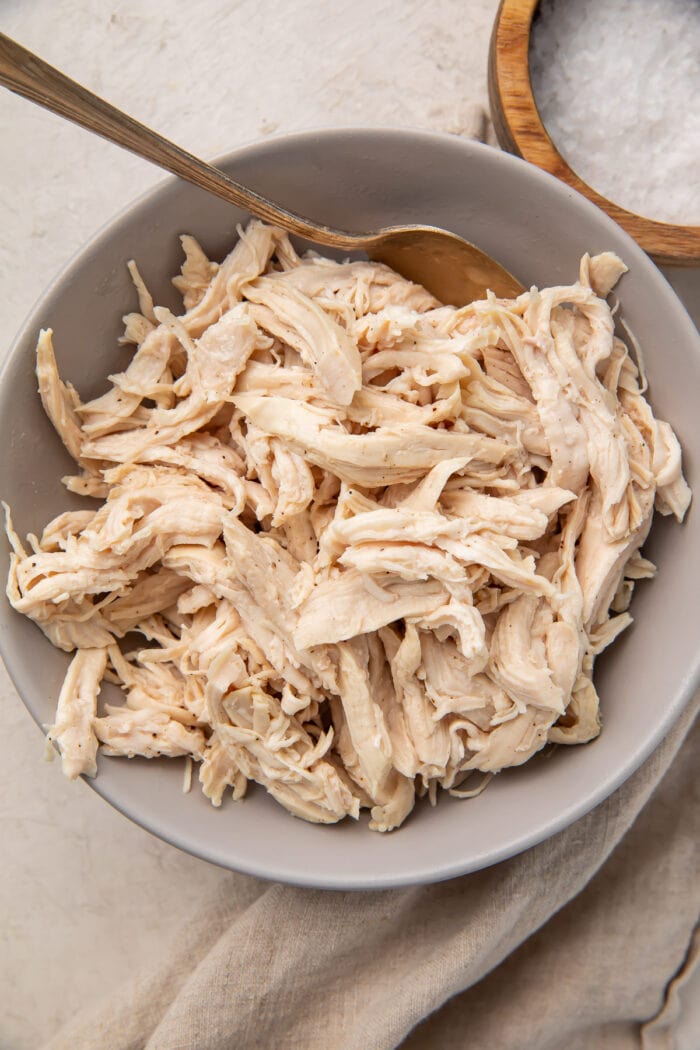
(452, 269)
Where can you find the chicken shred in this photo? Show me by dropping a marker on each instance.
(371, 543)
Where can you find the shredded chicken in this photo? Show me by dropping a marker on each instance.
(371, 543)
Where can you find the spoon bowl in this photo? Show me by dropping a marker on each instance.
(454, 270)
(448, 266)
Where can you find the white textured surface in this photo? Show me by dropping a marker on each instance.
(617, 86)
(85, 896)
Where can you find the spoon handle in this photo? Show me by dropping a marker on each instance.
(28, 75)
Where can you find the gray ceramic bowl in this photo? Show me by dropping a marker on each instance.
(538, 228)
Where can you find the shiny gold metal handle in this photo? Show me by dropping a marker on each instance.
(28, 75)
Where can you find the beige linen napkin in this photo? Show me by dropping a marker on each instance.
(569, 946)
(580, 943)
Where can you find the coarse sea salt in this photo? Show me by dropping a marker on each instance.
(618, 89)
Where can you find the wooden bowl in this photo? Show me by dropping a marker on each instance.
(520, 130)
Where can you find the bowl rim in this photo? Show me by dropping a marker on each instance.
(422, 871)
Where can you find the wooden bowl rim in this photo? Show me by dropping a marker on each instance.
(520, 130)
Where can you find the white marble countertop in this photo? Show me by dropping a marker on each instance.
(85, 895)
